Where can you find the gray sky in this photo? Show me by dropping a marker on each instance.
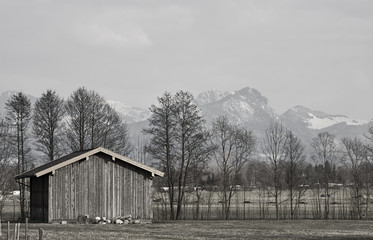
(315, 53)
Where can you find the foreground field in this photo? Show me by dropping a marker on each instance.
(269, 229)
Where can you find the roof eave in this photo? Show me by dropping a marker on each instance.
(153, 171)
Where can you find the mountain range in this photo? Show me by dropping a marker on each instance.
(249, 108)
(246, 107)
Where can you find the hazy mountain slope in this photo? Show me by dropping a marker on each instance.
(130, 114)
(246, 107)
(210, 96)
(308, 123)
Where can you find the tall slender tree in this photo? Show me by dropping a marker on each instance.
(7, 169)
(355, 156)
(18, 115)
(47, 120)
(294, 163)
(161, 146)
(98, 114)
(77, 112)
(273, 149)
(325, 154)
(191, 140)
(369, 166)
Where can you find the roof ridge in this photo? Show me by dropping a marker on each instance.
(76, 156)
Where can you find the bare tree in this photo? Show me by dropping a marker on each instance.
(7, 170)
(273, 149)
(355, 155)
(197, 174)
(47, 119)
(257, 171)
(92, 123)
(234, 147)
(18, 115)
(324, 154)
(77, 113)
(139, 152)
(191, 140)
(161, 145)
(112, 132)
(178, 143)
(96, 116)
(369, 135)
(294, 163)
(368, 167)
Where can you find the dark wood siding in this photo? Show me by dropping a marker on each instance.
(100, 187)
(39, 199)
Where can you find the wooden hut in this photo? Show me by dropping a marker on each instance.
(96, 182)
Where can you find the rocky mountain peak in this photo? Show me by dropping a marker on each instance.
(210, 96)
(252, 95)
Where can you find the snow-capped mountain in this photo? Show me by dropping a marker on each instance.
(308, 123)
(130, 114)
(318, 120)
(249, 108)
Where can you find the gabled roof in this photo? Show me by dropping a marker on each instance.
(76, 156)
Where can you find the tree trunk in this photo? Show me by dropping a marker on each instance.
(171, 201)
(291, 204)
(326, 207)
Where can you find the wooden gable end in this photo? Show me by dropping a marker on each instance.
(99, 186)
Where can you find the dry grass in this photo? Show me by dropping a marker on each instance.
(269, 229)
(255, 204)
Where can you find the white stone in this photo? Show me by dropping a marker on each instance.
(118, 221)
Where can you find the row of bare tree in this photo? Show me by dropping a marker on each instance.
(185, 148)
(182, 146)
(84, 121)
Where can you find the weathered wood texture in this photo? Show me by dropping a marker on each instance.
(99, 186)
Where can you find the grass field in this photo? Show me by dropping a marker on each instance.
(256, 204)
(245, 205)
(250, 229)
(213, 229)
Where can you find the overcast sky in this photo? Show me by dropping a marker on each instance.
(318, 54)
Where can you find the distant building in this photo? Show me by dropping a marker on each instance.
(95, 182)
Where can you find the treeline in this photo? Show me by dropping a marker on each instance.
(220, 156)
(226, 156)
(57, 127)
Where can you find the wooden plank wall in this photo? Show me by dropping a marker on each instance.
(99, 187)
